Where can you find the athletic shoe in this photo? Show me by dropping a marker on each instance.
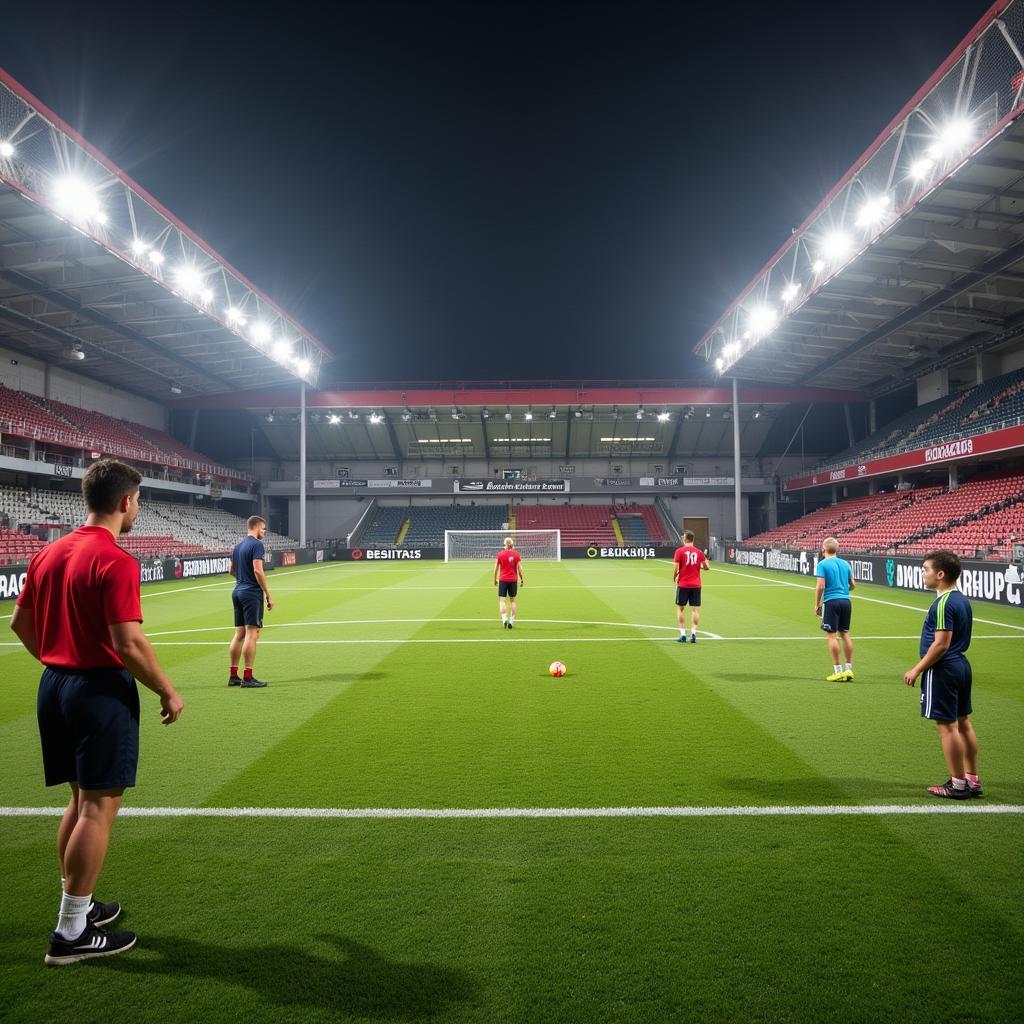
(848, 676)
(947, 790)
(975, 790)
(252, 684)
(234, 680)
(103, 913)
(836, 677)
(693, 639)
(510, 625)
(91, 943)
(681, 640)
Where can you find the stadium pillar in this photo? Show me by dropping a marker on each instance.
(954, 477)
(849, 424)
(872, 416)
(736, 457)
(302, 464)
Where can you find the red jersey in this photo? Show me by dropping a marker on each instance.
(75, 588)
(508, 562)
(690, 560)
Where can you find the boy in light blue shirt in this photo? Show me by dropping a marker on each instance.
(832, 605)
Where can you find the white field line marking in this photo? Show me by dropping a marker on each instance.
(531, 588)
(878, 600)
(810, 810)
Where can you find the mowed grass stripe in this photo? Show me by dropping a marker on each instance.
(444, 727)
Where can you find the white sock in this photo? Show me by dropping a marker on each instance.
(512, 618)
(849, 666)
(71, 921)
(838, 668)
(693, 632)
(504, 617)
(682, 632)
(959, 783)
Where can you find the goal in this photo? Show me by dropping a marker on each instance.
(484, 545)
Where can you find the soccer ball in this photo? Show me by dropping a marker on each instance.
(557, 669)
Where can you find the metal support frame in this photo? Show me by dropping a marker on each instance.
(302, 464)
(736, 457)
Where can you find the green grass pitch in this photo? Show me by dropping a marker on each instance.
(392, 685)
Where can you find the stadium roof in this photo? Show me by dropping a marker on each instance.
(98, 275)
(915, 260)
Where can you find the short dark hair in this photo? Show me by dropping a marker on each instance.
(253, 521)
(945, 562)
(688, 535)
(106, 482)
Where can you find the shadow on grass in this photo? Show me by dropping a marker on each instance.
(755, 677)
(352, 979)
(332, 677)
(823, 791)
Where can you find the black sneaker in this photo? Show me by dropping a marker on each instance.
(510, 625)
(949, 791)
(91, 943)
(974, 788)
(103, 913)
(234, 680)
(252, 684)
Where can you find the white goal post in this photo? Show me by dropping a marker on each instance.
(484, 545)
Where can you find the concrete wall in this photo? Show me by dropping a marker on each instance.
(326, 518)
(23, 373)
(717, 508)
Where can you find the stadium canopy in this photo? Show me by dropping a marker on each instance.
(915, 259)
(96, 275)
(525, 421)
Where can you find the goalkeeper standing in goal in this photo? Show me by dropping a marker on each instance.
(508, 576)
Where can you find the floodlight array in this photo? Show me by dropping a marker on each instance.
(52, 167)
(977, 94)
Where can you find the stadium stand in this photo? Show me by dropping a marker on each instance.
(17, 548)
(383, 527)
(427, 525)
(640, 525)
(53, 422)
(581, 525)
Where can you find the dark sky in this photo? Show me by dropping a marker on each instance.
(468, 191)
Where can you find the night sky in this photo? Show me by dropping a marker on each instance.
(492, 191)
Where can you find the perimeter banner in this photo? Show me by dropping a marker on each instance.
(997, 582)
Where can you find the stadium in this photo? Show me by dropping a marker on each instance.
(415, 820)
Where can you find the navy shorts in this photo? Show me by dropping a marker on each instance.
(248, 607)
(835, 615)
(688, 596)
(946, 691)
(507, 588)
(89, 727)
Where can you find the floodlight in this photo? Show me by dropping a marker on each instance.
(731, 349)
(873, 211)
(77, 199)
(720, 366)
(761, 320)
(707, 413)
(578, 413)
(375, 417)
(836, 246)
(302, 366)
(260, 333)
(6, 150)
(236, 316)
(282, 349)
(484, 414)
(334, 419)
(790, 291)
(920, 168)
(818, 265)
(953, 137)
(175, 389)
(139, 247)
(640, 413)
(189, 278)
(75, 352)
(757, 414)
(352, 414)
(406, 416)
(156, 257)
(206, 294)
(528, 416)
(663, 417)
(101, 217)
(269, 417)
(553, 414)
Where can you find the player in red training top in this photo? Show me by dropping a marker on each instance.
(508, 575)
(689, 561)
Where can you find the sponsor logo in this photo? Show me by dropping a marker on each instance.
(511, 486)
(890, 572)
(992, 584)
(393, 553)
(11, 583)
(319, 556)
(863, 572)
(399, 484)
(357, 553)
(60, 470)
(191, 567)
(325, 484)
(949, 451)
(660, 481)
(624, 552)
(708, 481)
(837, 474)
(591, 552)
(750, 558)
(786, 561)
(730, 553)
(152, 572)
(287, 557)
(615, 481)
(862, 470)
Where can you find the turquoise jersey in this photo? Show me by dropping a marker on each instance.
(837, 574)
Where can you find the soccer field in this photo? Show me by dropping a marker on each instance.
(840, 892)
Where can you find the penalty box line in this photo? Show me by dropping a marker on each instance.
(489, 813)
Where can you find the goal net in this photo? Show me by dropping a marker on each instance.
(484, 545)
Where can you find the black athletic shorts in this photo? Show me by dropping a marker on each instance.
(89, 727)
(946, 690)
(688, 596)
(248, 607)
(835, 615)
(507, 588)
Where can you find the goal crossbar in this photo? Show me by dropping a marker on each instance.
(480, 545)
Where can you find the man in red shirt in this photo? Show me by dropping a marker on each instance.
(508, 575)
(690, 562)
(80, 614)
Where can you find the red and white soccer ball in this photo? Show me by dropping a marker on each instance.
(557, 669)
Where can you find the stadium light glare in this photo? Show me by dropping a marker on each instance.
(6, 150)
(664, 417)
(302, 366)
(189, 279)
(508, 416)
(528, 416)
(156, 257)
(375, 418)
(720, 364)
(952, 138)
(790, 292)
(578, 413)
(553, 414)
(761, 320)
(920, 167)
(818, 265)
(757, 414)
(730, 350)
(640, 413)
(873, 211)
(260, 333)
(485, 414)
(206, 294)
(707, 413)
(235, 316)
(334, 419)
(836, 246)
(139, 248)
(628, 440)
(77, 200)
(282, 349)
(406, 416)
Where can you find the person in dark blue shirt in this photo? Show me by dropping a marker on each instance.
(832, 604)
(946, 675)
(247, 597)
